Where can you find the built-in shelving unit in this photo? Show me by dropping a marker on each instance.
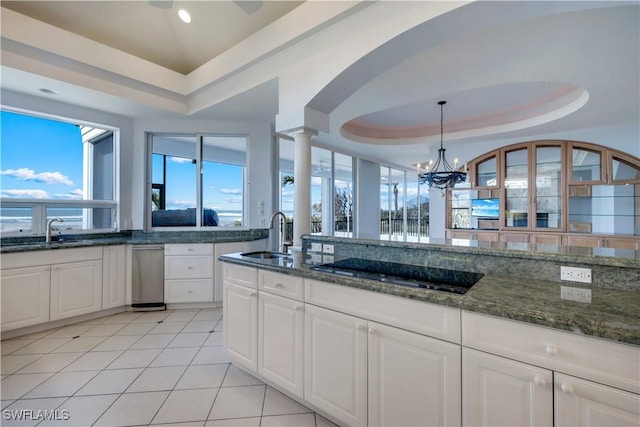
(549, 192)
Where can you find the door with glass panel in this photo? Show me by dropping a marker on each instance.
(548, 203)
(516, 184)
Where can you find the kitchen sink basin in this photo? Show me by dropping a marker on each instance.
(264, 255)
(440, 279)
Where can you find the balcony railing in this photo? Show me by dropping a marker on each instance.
(393, 227)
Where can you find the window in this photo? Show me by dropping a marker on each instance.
(331, 190)
(404, 206)
(321, 188)
(197, 181)
(343, 195)
(53, 168)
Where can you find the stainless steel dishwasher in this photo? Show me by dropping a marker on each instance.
(148, 278)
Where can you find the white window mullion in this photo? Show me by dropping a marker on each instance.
(199, 210)
(87, 182)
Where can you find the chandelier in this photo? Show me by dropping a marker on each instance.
(441, 175)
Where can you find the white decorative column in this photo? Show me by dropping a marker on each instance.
(302, 187)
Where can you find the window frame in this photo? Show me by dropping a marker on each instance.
(199, 139)
(39, 206)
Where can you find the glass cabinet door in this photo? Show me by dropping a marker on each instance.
(548, 187)
(487, 173)
(586, 165)
(516, 184)
(622, 170)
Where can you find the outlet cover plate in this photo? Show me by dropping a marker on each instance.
(575, 294)
(575, 274)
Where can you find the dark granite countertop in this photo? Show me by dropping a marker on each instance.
(613, 314)
(27, 244)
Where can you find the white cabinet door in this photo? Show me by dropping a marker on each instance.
(240, 322)
(335, 371)
(414, 380)
(221, 249)
(281, 341)
(76, 288)
(584, 403)
(502, 392)
(25, 296)
(114, 269)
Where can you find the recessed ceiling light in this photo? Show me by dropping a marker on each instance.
(48, 91)
(184, 15)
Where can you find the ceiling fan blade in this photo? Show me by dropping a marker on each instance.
(162, 4)
(249, 6)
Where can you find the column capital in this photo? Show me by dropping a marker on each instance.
(291, 133)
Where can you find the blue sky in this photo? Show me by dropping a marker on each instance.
(39, 158)
(42, 159)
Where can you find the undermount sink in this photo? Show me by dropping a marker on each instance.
(454, 281)
(264, 255)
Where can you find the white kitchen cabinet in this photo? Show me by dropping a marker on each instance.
(230, 248)
(25, 296)
(335, 364)
(595, 382)
(584, 403)
(414, 380)
(76, 288)
(188, 273)
(114, 270)
(284, 285)
(240, 317)
(569, 353)
(501, 392)
(281, 341)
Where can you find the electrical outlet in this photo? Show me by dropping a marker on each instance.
(575, 294)
(327, 249)
(575, 274)
(327, 259)
(316, 247)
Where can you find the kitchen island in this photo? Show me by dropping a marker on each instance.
(366, 352)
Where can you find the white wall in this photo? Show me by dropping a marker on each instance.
(367, 200)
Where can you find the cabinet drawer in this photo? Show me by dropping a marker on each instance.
(422, 317)
(48, 257)
(188, 267)
(281, 284)
(188, 249)
(603, 361)
(195, 290)
(239, 275)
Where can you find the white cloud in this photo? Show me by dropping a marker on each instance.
(234, 200)
(31, 194)
(235, 191)
(27, 174)
(72, 195)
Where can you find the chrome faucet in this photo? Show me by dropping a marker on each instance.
(456, 223)
(48, 232)
(285, 242)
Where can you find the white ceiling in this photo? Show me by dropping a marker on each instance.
(508, 70)
(153, 31)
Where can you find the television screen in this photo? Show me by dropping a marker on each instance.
(485, 208)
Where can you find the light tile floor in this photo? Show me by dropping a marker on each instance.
(135, 369)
